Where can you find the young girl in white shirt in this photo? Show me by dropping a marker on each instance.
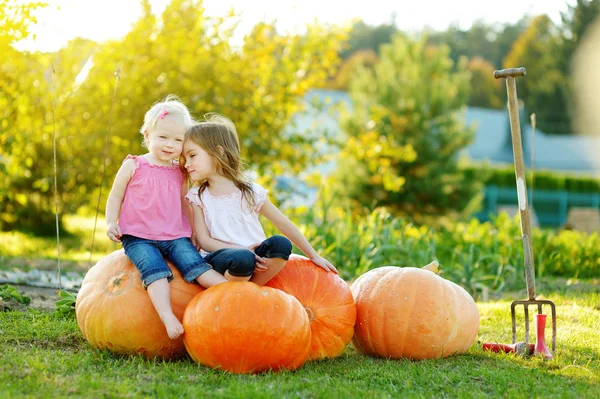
(226, 208)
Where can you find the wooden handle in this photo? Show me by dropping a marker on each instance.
(514, 72)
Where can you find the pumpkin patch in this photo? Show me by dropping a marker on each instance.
(303, 313)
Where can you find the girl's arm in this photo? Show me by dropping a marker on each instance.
(292, 232)
(115, 199)
(186, 208)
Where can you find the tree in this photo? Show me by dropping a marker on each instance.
(15, 21)
(490, 42)
(544, 89)
(363, 36)
(506, 37)
(576, 22)
(405, 133)
(485, 89)
(361, 58)
(184, 52)
(16, 17)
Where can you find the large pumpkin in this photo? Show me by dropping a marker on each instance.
(327, 300)
(114, 311)
(244, 328)
(412, 313)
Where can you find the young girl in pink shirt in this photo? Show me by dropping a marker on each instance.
(226, 207)
(146, 212)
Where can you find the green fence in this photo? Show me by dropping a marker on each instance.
(551, 207)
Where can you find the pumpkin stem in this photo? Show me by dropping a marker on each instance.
(311, 314)
(432, 267)
(117, 284)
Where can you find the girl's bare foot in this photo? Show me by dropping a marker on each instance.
(173, 325)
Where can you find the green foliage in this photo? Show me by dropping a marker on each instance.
(184, 52)
(16, 18)
(404, 134)
(363, 37)
(485, 89)
(360, 58)
(491, 42)
(16, 72)
(473, 254)
(576, 22)
(544, 90)
(11, 298)
(65, 306)
(541, 180)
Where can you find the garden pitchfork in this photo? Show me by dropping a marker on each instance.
(525, 215)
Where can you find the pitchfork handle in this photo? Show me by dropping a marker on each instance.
(513, 72)
(524, 209)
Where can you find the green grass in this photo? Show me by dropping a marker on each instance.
(26, 251)
(43, 355)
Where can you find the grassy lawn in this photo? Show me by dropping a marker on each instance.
(43, 355)
(25, 251)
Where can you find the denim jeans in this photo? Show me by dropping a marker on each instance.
(148, 258)
(241, 262)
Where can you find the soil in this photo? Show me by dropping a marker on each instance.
(41, 298)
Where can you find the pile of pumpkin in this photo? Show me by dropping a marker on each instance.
(303, 313)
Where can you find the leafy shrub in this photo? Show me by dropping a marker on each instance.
(472, 254)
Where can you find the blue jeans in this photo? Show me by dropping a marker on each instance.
(148, 258)
(241, 262)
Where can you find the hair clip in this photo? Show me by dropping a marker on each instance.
(162, 114)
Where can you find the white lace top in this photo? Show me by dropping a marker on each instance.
(229, 218)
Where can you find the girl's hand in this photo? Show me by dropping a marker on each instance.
(261, 263)
(195, 242)
(113, 231)
(260, 268)
(324, 263)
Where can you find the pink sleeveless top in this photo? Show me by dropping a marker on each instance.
(152, 204)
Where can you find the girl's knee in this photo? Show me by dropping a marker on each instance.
(276, 247)
(243, 264)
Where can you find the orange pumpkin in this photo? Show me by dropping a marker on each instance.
(114, 311)
(412, 313)
(244, 328)
(327, 300)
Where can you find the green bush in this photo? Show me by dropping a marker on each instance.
(542, 179)
(403, 135)
(472, 254)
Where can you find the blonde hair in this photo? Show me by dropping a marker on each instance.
(172, 106)
(218, 136)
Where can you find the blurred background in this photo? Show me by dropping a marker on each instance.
(347, 112)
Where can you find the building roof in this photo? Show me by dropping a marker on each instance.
(568, 152)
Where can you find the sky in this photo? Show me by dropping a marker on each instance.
(101, 20)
